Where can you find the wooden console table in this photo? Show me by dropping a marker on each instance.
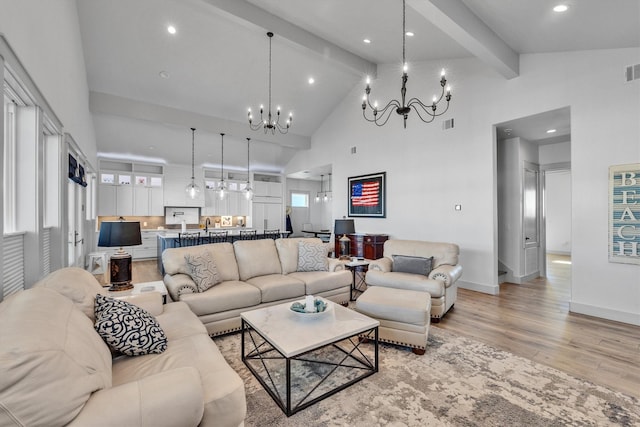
(369, 246)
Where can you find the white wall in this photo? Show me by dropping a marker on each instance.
(45, 35)
(558, 211)
(430, 170)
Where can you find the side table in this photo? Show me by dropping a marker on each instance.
(139, 288)
(358, 271)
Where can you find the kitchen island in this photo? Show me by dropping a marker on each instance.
(169, 239)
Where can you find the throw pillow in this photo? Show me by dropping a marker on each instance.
(412, 264)
(312, 256)
(128, 328)
(203, 270)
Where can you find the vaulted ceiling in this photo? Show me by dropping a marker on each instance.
(148, 87)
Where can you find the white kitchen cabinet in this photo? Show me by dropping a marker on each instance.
(148, 201)
(106, 200)
(124, 200)
(267, 216)
(267, 189)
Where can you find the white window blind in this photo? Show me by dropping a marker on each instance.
(13, 263)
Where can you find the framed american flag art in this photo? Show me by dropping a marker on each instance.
(367, 195)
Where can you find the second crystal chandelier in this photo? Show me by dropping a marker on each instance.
(270, 124)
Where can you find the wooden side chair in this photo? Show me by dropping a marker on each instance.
(188, 239)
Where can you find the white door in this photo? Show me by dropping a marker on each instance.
(531, 219)
(76, 235)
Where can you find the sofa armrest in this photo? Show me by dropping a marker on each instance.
(179, 284)
(383, 264)
(335, 264)
(150, 301)
(446, 273)
(170, 398)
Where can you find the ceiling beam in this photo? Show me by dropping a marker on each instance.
(247, 12)
(462, 25)
(103, 103)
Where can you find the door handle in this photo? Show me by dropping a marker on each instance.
(527, 238)
(75, 239)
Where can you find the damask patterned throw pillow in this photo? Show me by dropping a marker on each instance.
(312, 256)
(128, 328)
(203, 270)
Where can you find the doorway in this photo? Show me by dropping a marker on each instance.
(532, 205)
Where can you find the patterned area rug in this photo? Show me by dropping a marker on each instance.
(458, 382)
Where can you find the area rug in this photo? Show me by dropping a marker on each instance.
(458, 382)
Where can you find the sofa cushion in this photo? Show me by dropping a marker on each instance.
(203, 270)
(51, 359)
(288, 252)
(414, 282)
(312, 256)
(128, 328)
(256, 258)
(275, 287)
(322, 281)
(225, 296)
(412, 264)
(76, 284)
(223, 255)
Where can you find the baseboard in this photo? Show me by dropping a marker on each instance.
(605, 313)
(479, 287)
(558, 252)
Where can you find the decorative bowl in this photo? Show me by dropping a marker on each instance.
(307, 315)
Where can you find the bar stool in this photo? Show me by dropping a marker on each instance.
(218, 236)
(248, 235)
(271, 234)
(188, 239)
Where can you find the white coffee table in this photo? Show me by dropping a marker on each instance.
(299, 360)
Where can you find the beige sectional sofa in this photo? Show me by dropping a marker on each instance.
(56, 370)
(440, 283)
(254, 274)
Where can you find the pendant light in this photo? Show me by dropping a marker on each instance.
(327, 194)
(318, 199)
(192, 189)
(222, 186)
(248, 191)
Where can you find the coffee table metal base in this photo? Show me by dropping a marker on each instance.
(298, 382)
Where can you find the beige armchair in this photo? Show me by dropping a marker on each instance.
(440, 282)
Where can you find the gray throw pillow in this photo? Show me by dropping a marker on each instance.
(203, 270)
(412, 264)
(312, 256)
(128, 328)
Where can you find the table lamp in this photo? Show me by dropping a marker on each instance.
(119, 234)
(344, 227)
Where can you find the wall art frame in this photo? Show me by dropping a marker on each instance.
(367, 195)
(624, 213)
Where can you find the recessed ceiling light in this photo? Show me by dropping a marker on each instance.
(163, 74)
(311, 80)
(171, 29)
(151, 147)
(551, 131)
(561, 8)
(409, 34)
(367, 41)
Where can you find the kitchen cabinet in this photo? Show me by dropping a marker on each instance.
(268, 216)
(148, 201)
(107, 200)
(267, 189)
(124, 200)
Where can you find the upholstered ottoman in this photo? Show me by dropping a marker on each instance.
(404, 315)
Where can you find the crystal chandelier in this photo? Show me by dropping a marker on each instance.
(248, 191)
(222, 186)
(426, 112)
(192, 189)
(270, 124)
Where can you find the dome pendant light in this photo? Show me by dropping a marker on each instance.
(248, 191)
(192, 189)
(222, 186)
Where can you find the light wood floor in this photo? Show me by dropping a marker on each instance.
(533, 321)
